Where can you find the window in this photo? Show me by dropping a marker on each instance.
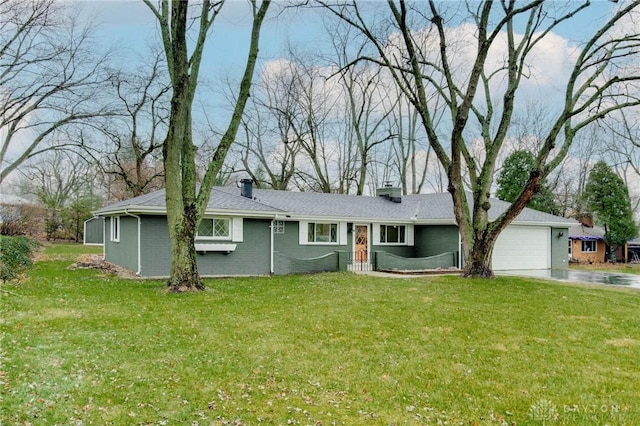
(215, 228)
(392, 234)
(115, 228)
(589, 246)
(322, 232)
(570, 247)
(278, 226)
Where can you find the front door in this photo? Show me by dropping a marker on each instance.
(361, 244)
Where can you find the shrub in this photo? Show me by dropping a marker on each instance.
(16, 254)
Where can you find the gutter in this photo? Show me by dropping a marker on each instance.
(126, 212)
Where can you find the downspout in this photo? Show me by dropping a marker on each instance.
(271, 263)
(139, 242)
(459, 250)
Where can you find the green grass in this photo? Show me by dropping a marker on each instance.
(67, 251)
(84, 348)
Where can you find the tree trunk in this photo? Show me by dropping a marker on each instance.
(184, 265)
(478, 265)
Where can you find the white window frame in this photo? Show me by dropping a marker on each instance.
(595, 246)
(213, 237)
(408, 234)
(315, 235)
(114, 229)
(303, 233)
(392, 243)
(235, 225)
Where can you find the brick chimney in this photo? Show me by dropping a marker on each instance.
(585, 219)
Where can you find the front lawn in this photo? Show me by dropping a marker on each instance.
(80, 347)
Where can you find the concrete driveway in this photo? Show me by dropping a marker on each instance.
(596, 277)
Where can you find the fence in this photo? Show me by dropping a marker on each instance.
(361, 260)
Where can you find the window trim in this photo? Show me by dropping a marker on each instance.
(595, 246)
(409, 237)
(114, 229)
(393, 243)
(303, 232)
(331, 224)
(212, 237)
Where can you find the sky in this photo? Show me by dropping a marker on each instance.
(131, 28)
(130, 25)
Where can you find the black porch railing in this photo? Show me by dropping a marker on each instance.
(361, 260)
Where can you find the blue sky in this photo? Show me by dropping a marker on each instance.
(130, 25)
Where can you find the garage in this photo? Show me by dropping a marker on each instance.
(523, 247)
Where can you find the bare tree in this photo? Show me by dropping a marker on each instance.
(313, 125)
(62, 182)
(367, 109)
(130, 156)
(621, 148)
(49, 76)
(424, 58)
(270, 147)
(186, 204)
(569, 179)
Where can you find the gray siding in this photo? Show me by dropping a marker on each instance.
(124, 252)
(432, 240)
(559, 248)
(404, 251)
(156, 247)
(288, 244)
(94, 231)
(251, 256)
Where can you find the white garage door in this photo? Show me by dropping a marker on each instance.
(523, 247)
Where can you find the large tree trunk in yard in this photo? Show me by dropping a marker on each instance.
(184, 266)
(478, 265)
(185, 206)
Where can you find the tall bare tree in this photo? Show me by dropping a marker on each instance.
(186, 203)
(423, 56)
(130, 156)
(621, 145)
(367, 108)
(269, 148)
(49, 77)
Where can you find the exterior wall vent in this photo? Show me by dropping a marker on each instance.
(246, 188)
(391, 193)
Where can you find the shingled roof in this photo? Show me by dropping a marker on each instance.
(418, 208)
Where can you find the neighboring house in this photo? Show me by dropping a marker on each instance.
(587, 245)
(251, 231)
(93, 234)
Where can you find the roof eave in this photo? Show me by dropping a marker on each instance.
(162, 211)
